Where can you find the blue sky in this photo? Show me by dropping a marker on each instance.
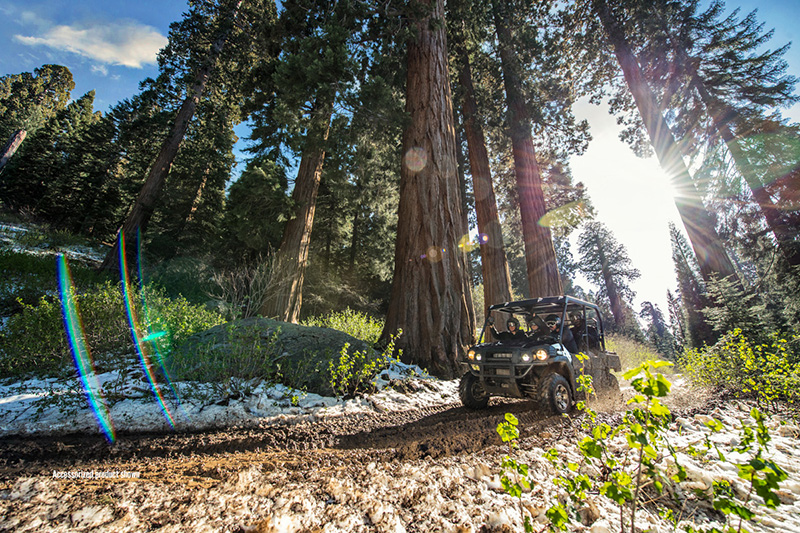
(110, 46)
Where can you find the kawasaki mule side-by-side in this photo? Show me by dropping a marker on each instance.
(532, 353)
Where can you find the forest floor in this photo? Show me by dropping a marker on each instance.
(391, 466)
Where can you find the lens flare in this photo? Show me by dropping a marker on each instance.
(415, 159)
(80, 350)
(143, 349)
(152, 335)
(571, 214)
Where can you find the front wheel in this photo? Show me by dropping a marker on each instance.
(555, 394)
(472, 393)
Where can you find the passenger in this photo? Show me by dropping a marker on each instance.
(578, 330)
(554, 323)
(513, 333)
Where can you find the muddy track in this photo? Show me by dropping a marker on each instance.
(430, 432)
(440, 431)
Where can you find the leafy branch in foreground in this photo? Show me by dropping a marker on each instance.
(636, 458)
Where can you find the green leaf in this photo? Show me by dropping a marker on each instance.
(558, 517)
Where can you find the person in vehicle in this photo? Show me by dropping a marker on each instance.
(554, 323)
(585, 334)
(513, 333)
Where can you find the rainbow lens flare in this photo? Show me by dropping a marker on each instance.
(143, 348)
(80, 350)
(152, 336)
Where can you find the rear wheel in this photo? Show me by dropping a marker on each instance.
(555, 394)
(472, 393)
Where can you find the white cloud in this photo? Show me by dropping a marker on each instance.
(100, 69)
(120, 43)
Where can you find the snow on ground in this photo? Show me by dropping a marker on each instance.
(10, 235)
(51, 406)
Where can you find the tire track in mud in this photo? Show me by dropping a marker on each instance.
(437, 431)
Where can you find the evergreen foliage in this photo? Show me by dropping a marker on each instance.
(606, 264)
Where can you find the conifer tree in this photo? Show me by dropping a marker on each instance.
(196, 49)
(494, 265)
(431, 298)
(605, 263)
(691, 291)
(699, 224)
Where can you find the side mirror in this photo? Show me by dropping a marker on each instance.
(490, 320)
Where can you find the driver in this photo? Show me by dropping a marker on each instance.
(567, 339)
(513, 333)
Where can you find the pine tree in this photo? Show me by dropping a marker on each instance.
(28, 101)
(605, 263)
(494, 266)
(691, 291)
(193, 56)
(657, 333)
(697, 221)
(719, 83)
(540, 258)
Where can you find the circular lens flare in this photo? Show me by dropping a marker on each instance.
(415, 159)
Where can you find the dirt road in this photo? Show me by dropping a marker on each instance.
(421, 470)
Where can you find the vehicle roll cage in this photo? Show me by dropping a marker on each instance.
(559, 305)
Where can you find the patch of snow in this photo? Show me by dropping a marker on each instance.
(46, 407)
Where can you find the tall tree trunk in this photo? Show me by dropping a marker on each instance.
(721, 114)
(494, 265)
(699, 224)
(540, 256)
(11, 146)
(285, 301)
(617, 309)
(431, 300)
(139, 216)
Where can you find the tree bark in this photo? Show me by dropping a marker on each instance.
(431, 300)
(285, 301)
(540, 256)
(142, 210)
(11, 146)
(699, 224)
(494, 265)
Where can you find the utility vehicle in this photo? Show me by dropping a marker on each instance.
(540, 361)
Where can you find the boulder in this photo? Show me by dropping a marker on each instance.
(300, 354)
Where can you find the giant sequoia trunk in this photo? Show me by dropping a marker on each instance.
(494, 265)
(540, 256)
(142, 210)
(11, 147)
(431, 300)
(289, 266)
(699, 224)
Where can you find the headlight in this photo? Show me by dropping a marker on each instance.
(478, 357)
(526, 357)
(541, 355)
(471, 355)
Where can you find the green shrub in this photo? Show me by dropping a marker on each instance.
(769, 371)
(352, 373)
(28, 277)
(356, 323)
(35, 339)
